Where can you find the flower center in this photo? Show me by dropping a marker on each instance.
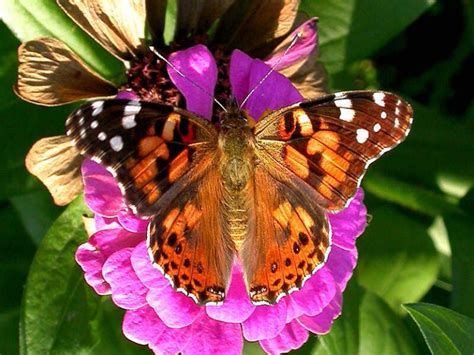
(148, 77)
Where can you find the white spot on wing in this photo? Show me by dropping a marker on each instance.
(347, 114)
(83, 133)
(129, 121)
(383, 115)
(97, 107)
(379, 98)
(81, 121)
(102, 136)
(397, 122)
(116, 143)
(397, 111)
(377, 127)
(343, 103)
(362, 135)
(94, 124)
(132, 109)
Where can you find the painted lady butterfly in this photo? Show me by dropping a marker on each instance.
(261, 192)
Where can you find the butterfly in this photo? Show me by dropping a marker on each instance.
(262, 193)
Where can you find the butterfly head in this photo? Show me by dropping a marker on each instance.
(233, 117)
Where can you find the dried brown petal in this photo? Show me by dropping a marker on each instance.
(196, 16)
(57, 163)
(250, 24)
(50, 74)
(309, 77)
(118, 25)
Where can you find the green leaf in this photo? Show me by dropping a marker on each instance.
(397, 258)
(417, 198)
(367, 326)
(57, 307)
(461, 236)
(355, 29)
(32, 19)
(37, 212)
(445, 331)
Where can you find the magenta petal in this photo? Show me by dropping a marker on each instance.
(105, 222)
(127, 95)
(321, 323)
(131, 222)
(274, 93)
(150, 276)
(301, 50)
(237, 306)
(265, 322)
(172, 340)
(316, 294)
(173, 308)
(101, 191)
(291, 337)
(214, 337)
(199, 66)
(91, 261)
(341, 264)
(92, 255)
(127, 290)
(142, 325)
(350, 223)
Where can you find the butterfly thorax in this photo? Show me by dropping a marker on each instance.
(236, 164)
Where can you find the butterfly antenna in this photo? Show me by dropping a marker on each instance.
(185, 77)
(295, 39)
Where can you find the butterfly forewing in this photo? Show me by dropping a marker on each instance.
(328, 143)
(147, 146)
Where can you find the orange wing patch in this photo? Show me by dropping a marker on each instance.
(188, 245)
(292, 239)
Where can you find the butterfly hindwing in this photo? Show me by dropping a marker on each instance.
(328, 143)
(290, 241)
(147, 146)
(186, 240)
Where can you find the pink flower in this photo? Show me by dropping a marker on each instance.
(116, 262)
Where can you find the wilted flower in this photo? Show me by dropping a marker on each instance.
(116, 262)
(51, 74)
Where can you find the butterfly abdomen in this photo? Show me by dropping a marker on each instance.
(237, 171)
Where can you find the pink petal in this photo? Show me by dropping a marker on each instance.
(101, 191)
(265, 322)
(350, 223)
(173, 308)
(131, 222)
(341, 264)
(105, 223)
(274, 93)
(301, 50)
(92, 255)
(316, 294)
(321, 323)
(172, 340)
(149, 275)
(290, 338)
(237, 306)
(199, 66)
(142, 325)
(127, 290)
(214, 337)
(128, 95)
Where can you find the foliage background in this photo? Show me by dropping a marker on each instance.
(413, 287)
